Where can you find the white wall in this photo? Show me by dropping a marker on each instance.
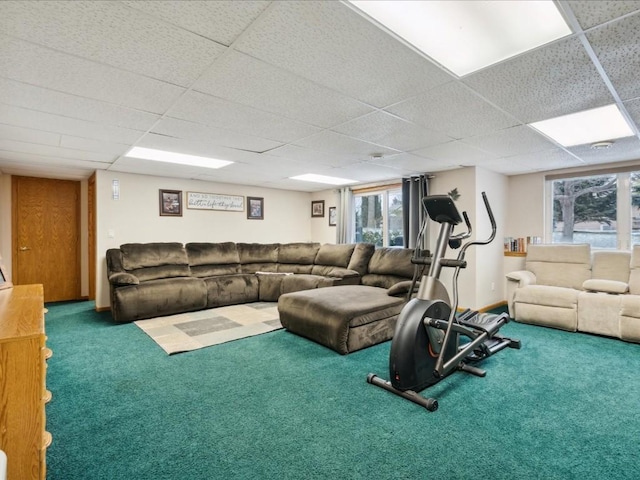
(135, 217)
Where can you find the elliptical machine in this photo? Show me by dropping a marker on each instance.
(426, 345)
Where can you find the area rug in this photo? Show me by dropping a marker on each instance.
(193, 330)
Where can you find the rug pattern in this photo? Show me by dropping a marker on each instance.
(193, 330)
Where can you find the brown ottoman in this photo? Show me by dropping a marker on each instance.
(344, 318)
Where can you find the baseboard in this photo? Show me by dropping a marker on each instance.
(103, 309)
(491, 307)
(487, 308)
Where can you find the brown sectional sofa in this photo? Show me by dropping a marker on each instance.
(156, 279)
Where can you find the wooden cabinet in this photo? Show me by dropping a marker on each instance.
(23, 391)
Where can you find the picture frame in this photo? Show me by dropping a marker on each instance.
(170, 203)
(255, 208)
(317, 208)
(333, 217)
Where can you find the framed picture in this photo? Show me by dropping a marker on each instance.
(171, 203)
(333, 217)
(317, 208)
(255, 208)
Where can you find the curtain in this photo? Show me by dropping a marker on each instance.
(344, 229)
(413, 189)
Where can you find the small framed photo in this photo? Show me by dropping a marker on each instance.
(333, 217)
(255, 208)
(171, 203)
(317, 208)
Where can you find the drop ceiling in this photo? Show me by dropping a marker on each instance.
(286, 88)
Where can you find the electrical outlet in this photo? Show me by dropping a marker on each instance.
(493, 286)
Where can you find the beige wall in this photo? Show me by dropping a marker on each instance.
(5, 221)
(481, 283)
(135, 217)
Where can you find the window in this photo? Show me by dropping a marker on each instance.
(378, 217)
(602, 210)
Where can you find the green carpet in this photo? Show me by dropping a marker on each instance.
(279, 406)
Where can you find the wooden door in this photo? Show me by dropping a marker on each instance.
(46, 236)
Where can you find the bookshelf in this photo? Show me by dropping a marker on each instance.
(517, 246)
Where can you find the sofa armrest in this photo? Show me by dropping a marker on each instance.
(402, 289)
(120, 279)
(515, 280)
(342, 273)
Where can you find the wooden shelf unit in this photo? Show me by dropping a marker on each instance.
(23, 390)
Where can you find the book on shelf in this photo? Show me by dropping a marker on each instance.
(519, 244)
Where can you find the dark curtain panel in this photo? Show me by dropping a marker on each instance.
(413, 189)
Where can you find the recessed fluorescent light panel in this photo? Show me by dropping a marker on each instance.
(312, 177)
(604, 123)
(173, 157)
(466, 36)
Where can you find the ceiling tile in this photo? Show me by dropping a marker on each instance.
(616, 45)
(22, 134)
(511, 141)
(50, 101)
(623, 149)
(332, 142)
(590, 13)
(48, 161)
(390, 131)
(54, 151)
(312, 157)
(36, 65)
(112, 33)
(330, 44)
(194, 147)
(633, 107)
(212, 135)
(217, 112)
(22, 117)
(455, 153)
(453, 110)
(551, 159)
(246, 80)
(544, 83)
(221, 21)
(414, 163)
(96, 146)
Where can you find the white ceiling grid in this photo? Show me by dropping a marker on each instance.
(290, 87)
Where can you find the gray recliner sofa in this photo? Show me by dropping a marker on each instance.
(155, 279)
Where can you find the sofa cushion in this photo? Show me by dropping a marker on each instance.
(361, 257)
(231, 289)
(152, 261)
(611, 265)
(269, 285)
(605, 286)
(548, 296)
(158, 298)
(560, 265)
(209, 259)
(297, 253)
(634, 275)
(256, 257)
(334, 255)
(630, 318)
(142, 255)
(392, 261)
